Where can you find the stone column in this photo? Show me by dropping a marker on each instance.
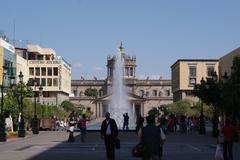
(133, 109)
(100, 109)
(96, 110)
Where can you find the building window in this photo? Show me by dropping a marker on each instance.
(100, 92)
(38, 81)
(75, 93)
(131, 71)
(31, 56)
(126, 71)
(210, 70)
(192, 71)
(167, 92)
(55, 82)
(37, 71)
(192, 75)
(55, 71)
(154, 93)
(141, 93)
(39, 57)
(31, 81)
(49, 70)
(81, 93)
(49, 82)
(43, 81)
(43, 71)
(147, 94)
(31, 71)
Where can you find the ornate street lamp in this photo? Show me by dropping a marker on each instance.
(21, 127)
(3, 136)
(35, 121)
(40, 90)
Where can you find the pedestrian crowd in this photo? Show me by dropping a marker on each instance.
(152, 131)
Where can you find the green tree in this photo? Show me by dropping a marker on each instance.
(91, 92)
(153, 112)
(10, 104)
(181, 108)
(231, 91)
(68, 106)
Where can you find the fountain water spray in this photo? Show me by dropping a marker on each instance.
(119, 103)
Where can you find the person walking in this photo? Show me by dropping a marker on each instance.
(150, 138)
(72, 123)
(228, 131)
(83, 127)
(109, 132)
(139, 123)
(162, 139)
(125, 121)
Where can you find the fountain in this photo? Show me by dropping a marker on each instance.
(119, 104)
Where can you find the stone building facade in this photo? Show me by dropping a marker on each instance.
(50, 71)
(186, 73)
(143, 94)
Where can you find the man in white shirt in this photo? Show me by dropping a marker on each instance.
(109, 133)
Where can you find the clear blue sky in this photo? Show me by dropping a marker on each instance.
(157, 32)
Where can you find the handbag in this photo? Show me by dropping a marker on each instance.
(138, 150)
(117, 143)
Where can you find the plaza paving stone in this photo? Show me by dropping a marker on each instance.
(51, 145)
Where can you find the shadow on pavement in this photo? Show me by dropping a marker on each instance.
(92, 149)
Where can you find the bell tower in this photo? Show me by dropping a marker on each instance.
(129, 64)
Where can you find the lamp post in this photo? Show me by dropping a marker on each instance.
(3, 136)
(21, 127)
(35, 121)
(35, 125)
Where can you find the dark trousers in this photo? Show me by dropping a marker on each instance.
(83, 133)
(110, 147)
(138, 127)
(125, 126)
(227, 150)
(71, 137)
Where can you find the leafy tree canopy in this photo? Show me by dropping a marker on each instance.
(91, 92)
